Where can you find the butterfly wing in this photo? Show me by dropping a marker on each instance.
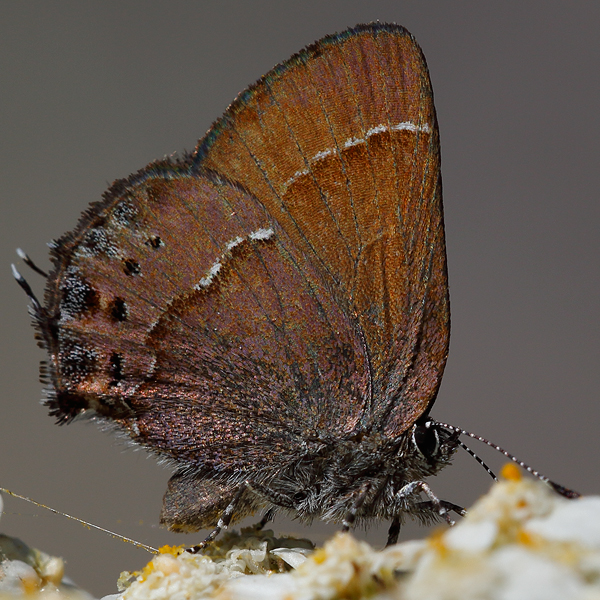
(341, 146)
(285, 286)
(179, 312)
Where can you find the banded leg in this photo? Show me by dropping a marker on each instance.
(358, 502)
(420, 486)
(449, 506)
(223, 521)
(274, 497)
(268, 516)
(393, 532)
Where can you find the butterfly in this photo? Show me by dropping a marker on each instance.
(270, 314)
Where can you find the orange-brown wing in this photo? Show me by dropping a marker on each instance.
(179, 311)
(340, 144)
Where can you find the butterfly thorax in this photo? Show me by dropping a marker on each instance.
(369, 475)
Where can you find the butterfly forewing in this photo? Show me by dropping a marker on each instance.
(340, 144)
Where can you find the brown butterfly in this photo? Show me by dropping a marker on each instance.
(271, 313)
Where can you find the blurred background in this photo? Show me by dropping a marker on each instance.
(94, 91)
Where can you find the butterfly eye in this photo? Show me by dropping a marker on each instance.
(426, 439)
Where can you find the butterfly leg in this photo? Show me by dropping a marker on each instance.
(459, 510)
(268, 516)
(414, 487)
(271, 495)
(358, 502)
(223, 521)
(449, 506)
(393, 532)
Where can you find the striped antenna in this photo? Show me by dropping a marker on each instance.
(563, 491)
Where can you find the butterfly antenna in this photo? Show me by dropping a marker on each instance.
(478, 459)
(563, 491)
(86, 523)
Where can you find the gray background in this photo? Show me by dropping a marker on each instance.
(94, 91)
